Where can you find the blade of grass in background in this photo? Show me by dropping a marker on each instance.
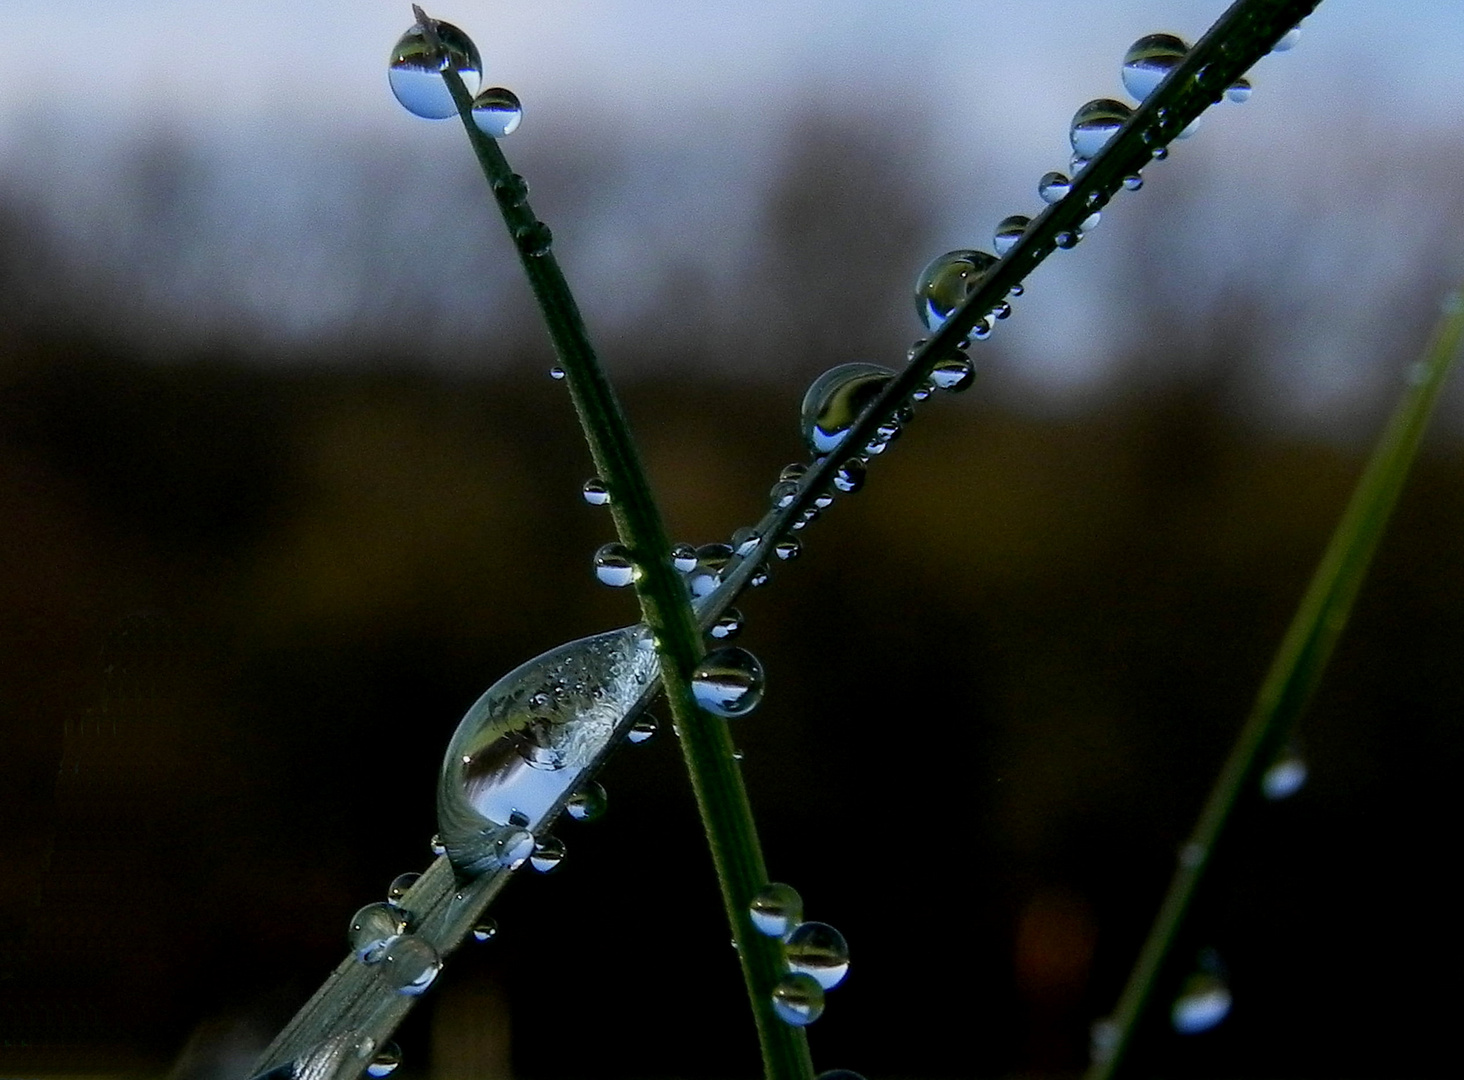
(1294, 673)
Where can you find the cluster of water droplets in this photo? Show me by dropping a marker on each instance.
(415, 70)
(815, 954)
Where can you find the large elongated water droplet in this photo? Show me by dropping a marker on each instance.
(946, 282)
(497, 112)
(375, 927)
(776, 909)
(415, 70)
(818, 950)
(834, 401)
(1149, 60)
(1095, 123)
(728, 681)
(529, 743)
(798, 999)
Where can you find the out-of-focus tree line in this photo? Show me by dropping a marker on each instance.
(243, 603)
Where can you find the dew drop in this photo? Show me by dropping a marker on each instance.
(1053, 187)
(588, 803)
(849, 477)
(1008, 231)
(438, 848)
(1067, 239)
(833, 403)
(954, 373)
(683, 558)
(788, 549)
(415, 70)
(595, 492)
(798, 999)
(385, 1061)
(1149, 60)
(1095, 123)
(511, 190)
(1159, 153)
(1133, 182)
(981, 330)
(1091, 221)
(760, 577)
(1003, 310)
(1203, 1002)
(946, 282)
(1288, 40)
(818, 950)
(486, 930)
(714, 557)
(783, 493)
(548, 853)
(642, 729)
(614, 566)
(375, 927)
(410, 964)
(728, 682)
(795, 471)
(745, 541)
(534, 239)
(557, 374)
(497, 112)
(399, 886)
(1239, 91)
(776, 909)
(727, 626)
(1286, 776)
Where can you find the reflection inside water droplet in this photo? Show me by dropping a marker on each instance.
(497, 112)
(1095, 123)
(410, 964)
(486, 930)
(385, 1061)
(946, 282)
(588, 803)
(775, 909)
(832, 405)
(728, 682)
(798, 999)
(1149, 60)
(818, 950)
(415, 69)
(1053, 187)
(373, 928)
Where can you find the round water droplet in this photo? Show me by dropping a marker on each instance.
(1149, 60)
(486, 930)
(1091, 221)
(714, 556)
(794, 471)
(728, 682)
(642, 729)
(954, 373)
(1202, 1003)
(683, 558)
(832, 404)
(788, 549)
(1239, 91)
(849, 477)
(1008, 231)
(410, 964)
(596, 493)
(1095, 123)
(798, 1000)
(511, 190)
(1003, 310)
(1053, 187)
(557, 374)
(588, 803)
(745, 541)
(1288, 40)
(818, 950)
(614, 566)
(776, 909)
(399, 886)
(512, 846)
(385, 1060)
(534, 239)
(416, 66)
(783, 493)
(760, 577)
(1067, 239)
(497, 112)
(946, 282)
(438, 847)
(375, 927)
(1133, 182)
(727, 626)
(1286, 776)
(548, 854)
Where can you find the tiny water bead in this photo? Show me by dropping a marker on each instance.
(1288, 40)
(728, 682)
(409, 964)
(788, 549)
(832, 405)
(1286, 776)
(1053, 187)
(614, 566)
(818, 950)
(1095, 123)
(642, 729)
(399, 886)
(486, 930)
(534, 240)
(683, 558)
(745, 541)
(588, 803)
(1149, 60)
(438, 847)
(596, 492)
(386, 1060)
(954, 373)
(798, 999)
(1239, 91)
(557, 374)
(511, 190)
(497, 112)
(1067, 239)
(373, 928)
(849, 477)
(946, 282)
(1133, 182)
(1203, 1002)
(727, 626)
(416, 66)
(548, 854)
(775, 909)
(1008, 231)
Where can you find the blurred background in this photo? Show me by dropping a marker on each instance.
(285, 486)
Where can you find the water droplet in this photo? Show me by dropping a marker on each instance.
(760, 576)
(783, 493)
(1090, 222)
(683, 558)
(794, 471)
(642, 729)
(548, 853)
(954, 373)
(410, 964)
(515, 756)
(788, 549)
(1016, 290)
(1102, 1041)
(486, 930)
(1133, 182)
(714, 556)
(1239, 91)
(595, 491)
(497, 112)
(588, 803)
(728, 682)
(415, 70)
(946, 282)
(776, 909)
(1203, 1002)
(1286, 776)
(373, 928)
(834, 402)
(1067, 239)
(1003, 310)
(745, 541)
(385, 1061)
(1008, 231)
(849, 477)
(534, 239)
(614, 566)
(556, 373)
(1159, 153)
(1095, 123)
(1149, 60)
(981, 330)
(438, 848)
(1288, 40)
(511, 190)
(399, 886)
(798, 1000)
(1053, 187)
(727, 626)
(818, 950)
(838, 1074)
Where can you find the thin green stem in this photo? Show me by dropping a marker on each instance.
(706, 744)
(1294, 673)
